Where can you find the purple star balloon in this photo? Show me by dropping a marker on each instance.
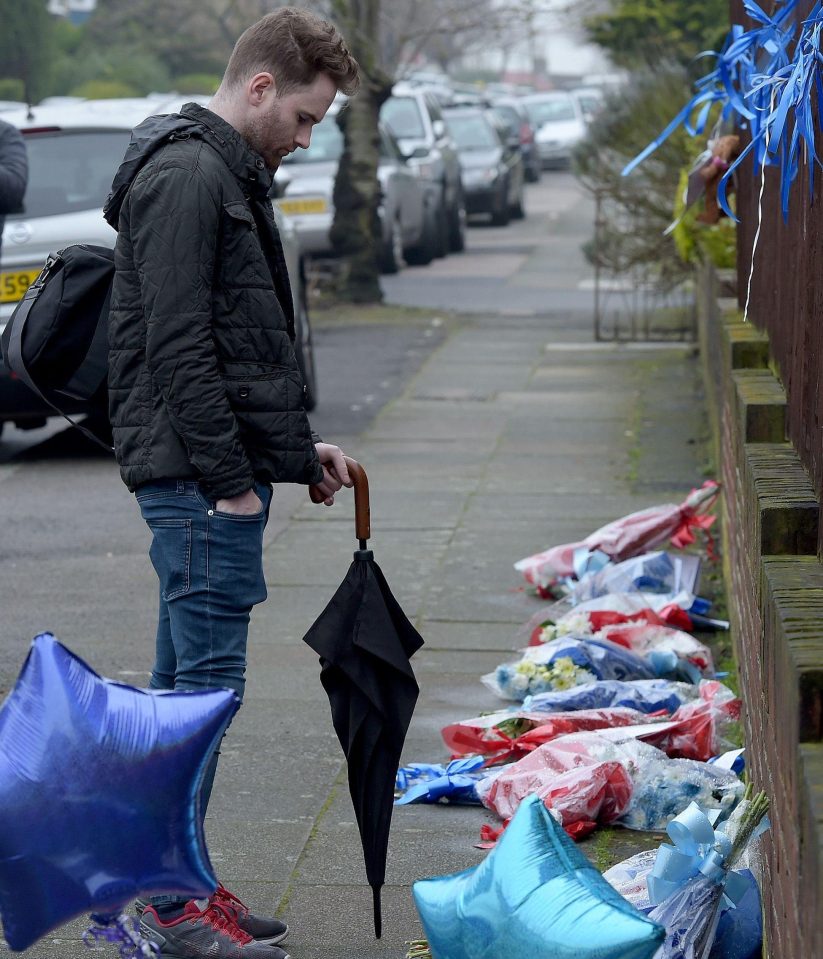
(99, 787)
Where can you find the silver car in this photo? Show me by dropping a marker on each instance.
(305, 187)
(73, 153)
(559, 126)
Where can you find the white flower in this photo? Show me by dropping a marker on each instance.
(576, 624)
(519, 682)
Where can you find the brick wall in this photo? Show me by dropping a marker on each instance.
(775, 580)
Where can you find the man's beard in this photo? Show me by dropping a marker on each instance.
(258, 135)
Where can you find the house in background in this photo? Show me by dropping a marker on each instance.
(77, 11)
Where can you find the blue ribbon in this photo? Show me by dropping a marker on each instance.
(756, 79)
(429, 783)
(698, 850)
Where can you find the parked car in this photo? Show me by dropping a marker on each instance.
(304, 187)
(415, 117)
(8, 105)
(512, 111)
(590, 100)
(74, 152)
(492, 165)
(559, 126)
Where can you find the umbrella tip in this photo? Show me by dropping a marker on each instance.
(378, 914)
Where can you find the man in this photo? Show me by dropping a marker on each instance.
(14, 170)
(205, 394)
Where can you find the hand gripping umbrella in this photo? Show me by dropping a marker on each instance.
(364, 641)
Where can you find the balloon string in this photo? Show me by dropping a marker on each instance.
(759, 216)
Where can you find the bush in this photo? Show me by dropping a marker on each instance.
(140, 73)
(696, 241)
(636, 210)
(11, 89)
(189, 83)
(104, 90)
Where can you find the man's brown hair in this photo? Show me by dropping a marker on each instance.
(294, 46)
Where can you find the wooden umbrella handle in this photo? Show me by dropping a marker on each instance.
(362, 510)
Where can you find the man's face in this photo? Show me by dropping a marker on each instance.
(279, 125)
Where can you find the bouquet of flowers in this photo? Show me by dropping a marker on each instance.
(570, 661)
(564, 663)
(644, 695)
(627, 537)
(641, 638)
(658, 573)
(697, 886)
(579, 797)
(505, 736)
(682, 611)
(658, 787)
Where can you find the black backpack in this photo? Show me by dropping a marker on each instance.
(56, 340)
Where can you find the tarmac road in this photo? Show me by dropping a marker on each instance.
(485, 440)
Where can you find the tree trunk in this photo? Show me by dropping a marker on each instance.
(355, 233)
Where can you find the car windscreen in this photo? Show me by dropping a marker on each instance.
(550, 111)
(71, 171)
(402, 116)
(472, 133)
(326, 144)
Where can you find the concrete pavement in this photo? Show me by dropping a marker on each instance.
(518, 432)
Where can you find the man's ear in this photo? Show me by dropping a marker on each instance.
(259, 88)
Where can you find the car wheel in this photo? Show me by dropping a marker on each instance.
(423, 252)
(304, 352)
(517, 210)
(500, 216)
(391, 260)
(457, 225)
(441, 234)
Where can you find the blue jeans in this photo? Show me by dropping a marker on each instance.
(210, 567)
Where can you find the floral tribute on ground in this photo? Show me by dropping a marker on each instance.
(612, 714)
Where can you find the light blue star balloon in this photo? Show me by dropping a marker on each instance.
(534, 897)
(99, 787)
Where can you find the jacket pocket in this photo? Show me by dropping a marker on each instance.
(252, 370)
(241, 256)
(260, 389)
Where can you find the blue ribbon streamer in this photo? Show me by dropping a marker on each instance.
(756, 79)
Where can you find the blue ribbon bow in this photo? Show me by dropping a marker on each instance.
(699, 850)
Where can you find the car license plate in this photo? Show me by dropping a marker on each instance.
(301, 207)
(13, 284)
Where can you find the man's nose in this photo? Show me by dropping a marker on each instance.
(303, 138)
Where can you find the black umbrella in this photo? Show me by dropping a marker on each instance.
(364, 641)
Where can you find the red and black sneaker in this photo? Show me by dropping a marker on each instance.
(203, 934)
(263, 929)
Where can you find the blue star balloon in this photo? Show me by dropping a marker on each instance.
(534, 897)
(99, 787)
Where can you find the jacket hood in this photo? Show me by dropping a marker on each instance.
(193, 121)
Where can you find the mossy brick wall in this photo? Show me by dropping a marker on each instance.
(775, 579)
